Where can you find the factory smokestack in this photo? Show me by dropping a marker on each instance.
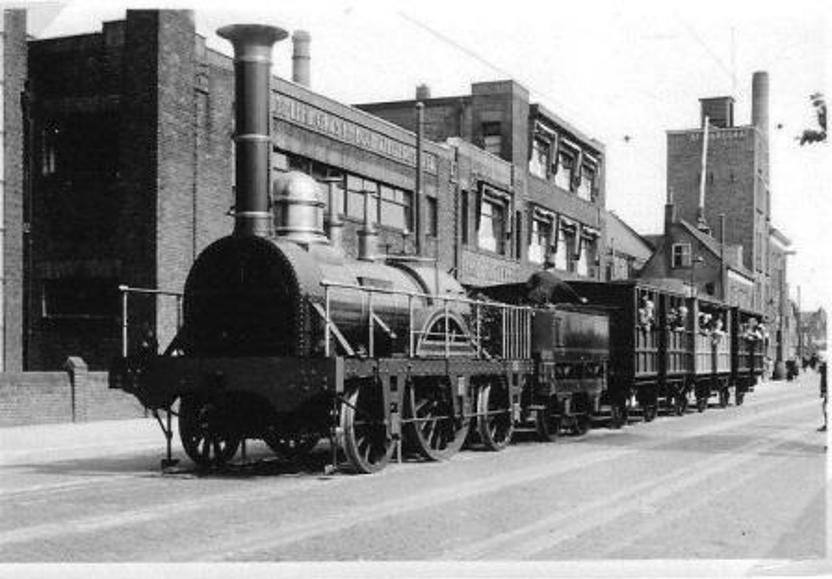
(252, 143)
(301, 58)
(759, 102)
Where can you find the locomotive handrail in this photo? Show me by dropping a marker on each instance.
(126, 290)
(516, 320)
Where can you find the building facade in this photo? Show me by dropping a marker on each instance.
(132, 172)
(13, 73)
(721, 170)
(551, 215)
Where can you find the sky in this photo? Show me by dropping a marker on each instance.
(622, 72)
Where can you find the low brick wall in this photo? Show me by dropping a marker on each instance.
(75, 395)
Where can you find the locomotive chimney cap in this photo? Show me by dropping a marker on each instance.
(262, 34)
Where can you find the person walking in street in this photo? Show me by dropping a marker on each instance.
(822, 371)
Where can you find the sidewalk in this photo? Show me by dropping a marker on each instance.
(44, 442)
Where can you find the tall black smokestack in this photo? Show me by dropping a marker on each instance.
(252, 75)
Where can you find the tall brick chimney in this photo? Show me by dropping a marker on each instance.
(301, 59)
(759, 102)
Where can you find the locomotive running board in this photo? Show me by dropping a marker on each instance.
(338, 335)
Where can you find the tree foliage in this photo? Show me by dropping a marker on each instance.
(816, 135)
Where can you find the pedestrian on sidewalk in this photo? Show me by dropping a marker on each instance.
(822, 371)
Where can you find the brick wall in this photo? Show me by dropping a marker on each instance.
(50, 397)
(15, 71)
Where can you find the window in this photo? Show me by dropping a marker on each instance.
(541, 231)
(586, 255)
(539, 163)
(396, 206)
(681, 255)
(492, 138)
(563, 178)
(433, 217)
(77, 297)
(587, 183)
(492, 225)
(565, 247)
(464, 216)
(48, 150)
(356, 188)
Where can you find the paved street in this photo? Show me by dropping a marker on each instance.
(744, 486)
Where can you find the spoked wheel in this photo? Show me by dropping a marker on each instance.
(208, 436)
(547, 423)
(367, 444)
(739, 397)
(494, 423)
(431, 428)
(701, 403)
(650, 412)
(724, 396)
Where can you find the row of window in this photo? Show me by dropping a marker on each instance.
(569, 167)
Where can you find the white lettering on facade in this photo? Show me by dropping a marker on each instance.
(287, 109)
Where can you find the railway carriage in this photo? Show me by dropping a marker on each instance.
(712, 353)
(747, 348)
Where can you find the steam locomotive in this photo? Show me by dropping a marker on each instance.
(287, 340)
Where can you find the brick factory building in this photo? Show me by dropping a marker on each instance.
(735, 184)
(131, 174)
(548, 212)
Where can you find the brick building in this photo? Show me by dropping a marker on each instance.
(627, 250)
(131, 170)
(735, 184)
(12, 80)
(548, 214)
(812, 332)
(694, 259)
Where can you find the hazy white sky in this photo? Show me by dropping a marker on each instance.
(614, 69)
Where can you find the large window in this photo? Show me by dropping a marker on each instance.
(539, 163)
(491, 225)
(681, 255)
(566, 166)
(586, 252)
(395, 208)
(463, 215)
(565, 249)
(540, 238)
(586, 185)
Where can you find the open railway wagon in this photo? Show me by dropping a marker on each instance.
(570, 347)
(634, 379)
(676, 328)
(712, 373)
(747, 349)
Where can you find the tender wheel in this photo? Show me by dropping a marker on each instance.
(580, 424)
(367, 444)
(547, 423)
(494, 423)
(207, 435)
(724, 396)
(739, 397)
(618, 415)
(431, 428)
(291, 446)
